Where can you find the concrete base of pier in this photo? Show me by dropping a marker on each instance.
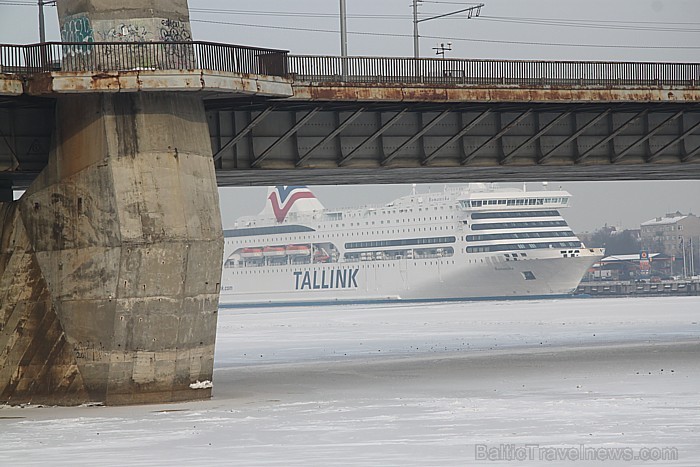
(110, 262)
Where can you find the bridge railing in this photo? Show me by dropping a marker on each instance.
(123, 56)
(126, 56)
(490, 72)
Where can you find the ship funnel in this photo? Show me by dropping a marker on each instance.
(282, 200)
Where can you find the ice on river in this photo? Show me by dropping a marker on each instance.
(461, 383)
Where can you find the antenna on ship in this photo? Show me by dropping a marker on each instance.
(414, 189)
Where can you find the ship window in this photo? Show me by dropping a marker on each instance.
(529, 276)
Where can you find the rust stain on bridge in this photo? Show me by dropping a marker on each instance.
(369, 92)
(72, 82)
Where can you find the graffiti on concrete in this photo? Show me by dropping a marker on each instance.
(124, 33)
(132, 53)
(173, 30)
(77, 29)
(177, 55)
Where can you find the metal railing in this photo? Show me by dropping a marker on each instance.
(123, 56)
(126, 56)
(490, 72)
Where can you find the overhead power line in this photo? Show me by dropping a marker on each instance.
(591, 25)
(592, 22)
(455, 39)
(650, 26)
(694, 23)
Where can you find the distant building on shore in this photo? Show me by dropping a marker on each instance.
(677, 235)
(630, 267)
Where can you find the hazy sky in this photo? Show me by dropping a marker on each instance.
(593, 204)
(654, 30)
(620, 30)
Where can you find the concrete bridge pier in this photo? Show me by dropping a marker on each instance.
(111, 261)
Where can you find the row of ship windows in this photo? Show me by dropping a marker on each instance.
(334, 216)
(349, 234)
(449, 252)
(477, 203)
(256, 231)
(397, 221)
(507, 214)
(360, 266)
(415, 253)
(429, 228)
(522, 246)
(519, 235)
(518, 225)
(402, 242)
(447, 240)
(477, 215)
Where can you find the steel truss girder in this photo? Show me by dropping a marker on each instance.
(646, 137)
(535, 137)
(465, 160)
(242, 134)
(574, 136)
(330, 136)
(356, 135)
(266, 138)
(611, 136)
(454, 138)
(415, 137)
(691, 154)
(285, 136)
(344, 160)
(677, 140)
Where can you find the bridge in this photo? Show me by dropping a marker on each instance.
(110, 262)
(422, 120)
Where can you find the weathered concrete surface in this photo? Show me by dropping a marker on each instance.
(158, 80)
(124, 21)
(10, 85)
(111, 261)
(133, 21)
(338, 92)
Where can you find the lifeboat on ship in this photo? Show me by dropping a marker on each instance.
(320, 256)
(298, 250)
(251, 253)
(274, 251)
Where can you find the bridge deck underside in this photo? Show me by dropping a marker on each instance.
(421, 142)
(266, 142)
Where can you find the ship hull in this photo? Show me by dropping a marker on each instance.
(464, 277)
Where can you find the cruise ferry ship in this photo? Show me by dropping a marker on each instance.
(471, 242)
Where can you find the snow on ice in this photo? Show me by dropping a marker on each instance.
(410, 385)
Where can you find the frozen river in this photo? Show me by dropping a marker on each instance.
(474, 383)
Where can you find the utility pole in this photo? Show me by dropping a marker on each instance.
(416, 52)
(343, 30)
(42, 23)
(343, 40)
(692, 258)
(471, 11)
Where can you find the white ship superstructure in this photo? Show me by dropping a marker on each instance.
(462, 243)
